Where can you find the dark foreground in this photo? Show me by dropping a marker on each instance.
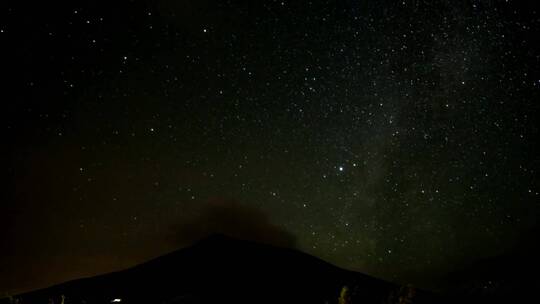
(225, 270)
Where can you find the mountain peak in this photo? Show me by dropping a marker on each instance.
(221, 268)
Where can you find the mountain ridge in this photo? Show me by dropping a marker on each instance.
(220, 268)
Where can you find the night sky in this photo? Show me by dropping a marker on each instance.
(395, 138)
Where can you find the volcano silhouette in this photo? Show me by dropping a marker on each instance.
(221, 269)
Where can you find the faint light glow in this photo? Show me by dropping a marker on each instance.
(340, 168)
(117, 300)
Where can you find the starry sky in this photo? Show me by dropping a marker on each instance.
(396, 138)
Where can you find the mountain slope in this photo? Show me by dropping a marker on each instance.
(222, 269)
